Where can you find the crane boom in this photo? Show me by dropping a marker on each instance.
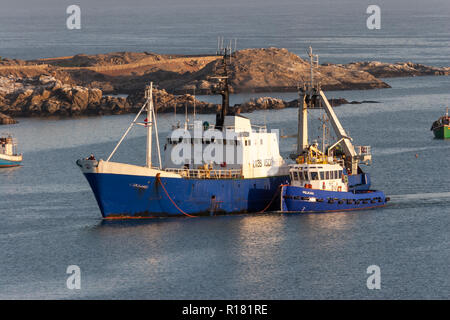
(338, 128)
(310, 95)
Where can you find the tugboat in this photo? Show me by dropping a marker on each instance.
(441, 127)
(194, 180)
(329, 179)
(8, 153)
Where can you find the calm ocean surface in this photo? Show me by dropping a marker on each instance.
(50, 219)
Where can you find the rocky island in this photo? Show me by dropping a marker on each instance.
(113, 83)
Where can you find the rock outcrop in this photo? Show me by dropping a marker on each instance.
(399, 69)
(91, 84)
(45, 95)
(272, 70)
(4, 119)
(250, 70)
(269, 103)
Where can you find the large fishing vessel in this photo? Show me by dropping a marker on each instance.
(328, 178)
(230, 167)
(441, 127)
(8, 152)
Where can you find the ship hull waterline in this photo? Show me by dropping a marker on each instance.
(6, 163)
(303, 200)
(121, 196)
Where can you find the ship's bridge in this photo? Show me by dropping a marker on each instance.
(318, 176)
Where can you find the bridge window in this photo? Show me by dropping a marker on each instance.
(314, 176)
(322, 175)
(306, 175)
(327, 175)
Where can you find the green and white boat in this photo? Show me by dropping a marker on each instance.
(441, 127)
(8, 155)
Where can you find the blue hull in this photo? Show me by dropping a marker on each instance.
(6, 163)
(298, 199)
(120, 196)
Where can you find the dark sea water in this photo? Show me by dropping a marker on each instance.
(50, 220)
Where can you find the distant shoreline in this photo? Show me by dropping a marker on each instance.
(113, 83)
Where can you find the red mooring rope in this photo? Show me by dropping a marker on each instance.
(168, 196)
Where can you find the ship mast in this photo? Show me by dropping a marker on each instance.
(149, 97)
(306, 99)
(222, 87)
(149, 123)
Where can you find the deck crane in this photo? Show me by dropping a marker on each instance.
(312, 96)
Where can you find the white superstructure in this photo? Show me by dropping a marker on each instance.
(328, 177)
(239, 146)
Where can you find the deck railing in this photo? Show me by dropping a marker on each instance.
(191, 126)
(207, 174)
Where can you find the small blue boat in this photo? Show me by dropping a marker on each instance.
(330, 178)
(8, 154)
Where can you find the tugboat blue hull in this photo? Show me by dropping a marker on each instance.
(299, 199)
(130, 196)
